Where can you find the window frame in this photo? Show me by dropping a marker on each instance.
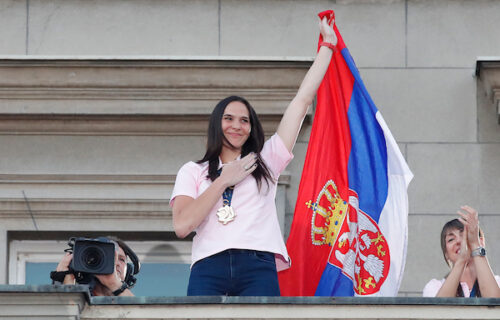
(25, 251)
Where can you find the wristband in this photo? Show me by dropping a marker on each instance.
(122, 288)
(329, 45)
(58, 276)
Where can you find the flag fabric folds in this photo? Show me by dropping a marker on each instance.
(349, 231)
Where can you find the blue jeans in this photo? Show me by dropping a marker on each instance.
(235, 272)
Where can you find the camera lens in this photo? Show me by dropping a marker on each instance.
(92, 257)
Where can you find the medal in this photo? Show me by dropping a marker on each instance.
(226, 214)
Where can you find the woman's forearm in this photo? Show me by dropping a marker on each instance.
(485, 278)
(450, 285)
(189, 213)
(291, 122)
(294, 115)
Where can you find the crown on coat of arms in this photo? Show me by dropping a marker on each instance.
(329, 212)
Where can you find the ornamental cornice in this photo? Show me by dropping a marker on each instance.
(488, 72)
(127, 96)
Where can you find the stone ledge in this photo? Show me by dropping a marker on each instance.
(29, 301)
(42, 302)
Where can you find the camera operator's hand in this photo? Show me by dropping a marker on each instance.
(64, 266)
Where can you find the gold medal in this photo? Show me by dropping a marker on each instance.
(226, 214)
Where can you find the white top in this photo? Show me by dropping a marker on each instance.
(256, 225)
(432, 287)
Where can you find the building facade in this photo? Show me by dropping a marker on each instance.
(101, 102)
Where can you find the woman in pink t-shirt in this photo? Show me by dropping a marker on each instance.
(228, 197)
(462, 242)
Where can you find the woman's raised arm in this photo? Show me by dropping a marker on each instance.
(292, 119)
(485, 277)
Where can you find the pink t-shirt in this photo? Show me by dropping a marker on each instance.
(256, 225)
(432, 287)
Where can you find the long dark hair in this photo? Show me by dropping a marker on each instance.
(216, 139)
(455, 224)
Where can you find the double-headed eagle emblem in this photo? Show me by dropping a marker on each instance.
(359, 249)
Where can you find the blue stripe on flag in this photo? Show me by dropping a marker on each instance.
(367, 166)
(334, 283)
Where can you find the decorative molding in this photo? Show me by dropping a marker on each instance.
(137, 96)
(54, 208)
(105, 125)
(87, 179)
(284, 179)
(496, 101)
(170, 95)
(488, 71)
(129, 213)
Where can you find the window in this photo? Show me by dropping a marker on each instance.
(164, 264)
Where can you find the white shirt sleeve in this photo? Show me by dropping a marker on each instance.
(186, 182)
(432, 288)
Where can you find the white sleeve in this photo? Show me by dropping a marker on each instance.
(432, 288)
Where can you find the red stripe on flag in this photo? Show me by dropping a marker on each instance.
(326, 159)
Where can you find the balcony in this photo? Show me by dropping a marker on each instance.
(74, 302)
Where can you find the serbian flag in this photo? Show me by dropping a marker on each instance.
(350, 226)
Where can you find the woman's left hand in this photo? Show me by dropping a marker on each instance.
(469, 218)
(326, 30)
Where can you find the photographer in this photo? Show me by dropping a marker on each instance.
(117, 283)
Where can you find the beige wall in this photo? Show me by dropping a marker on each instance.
(417, 59)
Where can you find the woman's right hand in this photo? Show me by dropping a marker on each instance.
(65, 262)
(326, 30)
(235, 171)
(188, 213)
(64, 266)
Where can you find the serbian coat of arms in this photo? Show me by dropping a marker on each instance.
(359, 249)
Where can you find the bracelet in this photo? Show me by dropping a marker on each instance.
(122, 288)
(329, 45)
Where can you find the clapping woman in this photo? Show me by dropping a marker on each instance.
(462, 242)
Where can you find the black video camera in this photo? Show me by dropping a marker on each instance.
(97, 256)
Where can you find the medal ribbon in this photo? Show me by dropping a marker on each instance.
(474, 290)
(227, 195)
